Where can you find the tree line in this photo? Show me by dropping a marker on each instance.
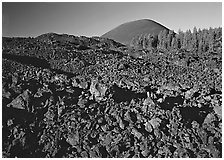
(197, 40)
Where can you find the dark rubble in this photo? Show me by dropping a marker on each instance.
(67, 96)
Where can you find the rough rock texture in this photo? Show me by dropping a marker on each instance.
(67, 96)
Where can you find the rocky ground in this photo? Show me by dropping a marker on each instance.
(67, 96)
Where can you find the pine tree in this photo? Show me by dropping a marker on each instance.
(200, 46)
(160, 38)
(149, 42)
(174, 43)
(195, 39)
(154, 40)
(164, 40)
(144, 42)
(211, 39)
(180, 39)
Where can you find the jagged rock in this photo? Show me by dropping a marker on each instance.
(74, 82)
(14, 80)
(203, 153)
(218, 110)
(73, 139)
(10, 122)
(144, 108)
(146, 79)
(104, 127)
(136, 133)
(209, 118)
(60, 78)
(79, 82)
(121, 124)
(194, 124)
(21, 101)
(155, 122)
(5, 93)
(190, 93)
(68, 123)
(97, 90)
(148, 127)
(170, 87)
(146, 152)
(148, 101)
(83, 85)
(208, 98)
(184, 86)
(157, 134)
(160, 100)
(84, 154)
(121, 66)
(216, 70)
(82, 102)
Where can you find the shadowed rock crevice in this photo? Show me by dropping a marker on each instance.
(170, 102)
(190, 114)
(125, 95)
(28, 60)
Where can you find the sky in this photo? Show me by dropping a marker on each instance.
(23, 19)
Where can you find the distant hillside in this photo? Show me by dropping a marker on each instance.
(82, 41)
(125, 32)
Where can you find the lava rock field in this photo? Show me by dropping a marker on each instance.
(68, 96)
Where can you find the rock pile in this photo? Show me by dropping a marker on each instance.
(107, 103)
